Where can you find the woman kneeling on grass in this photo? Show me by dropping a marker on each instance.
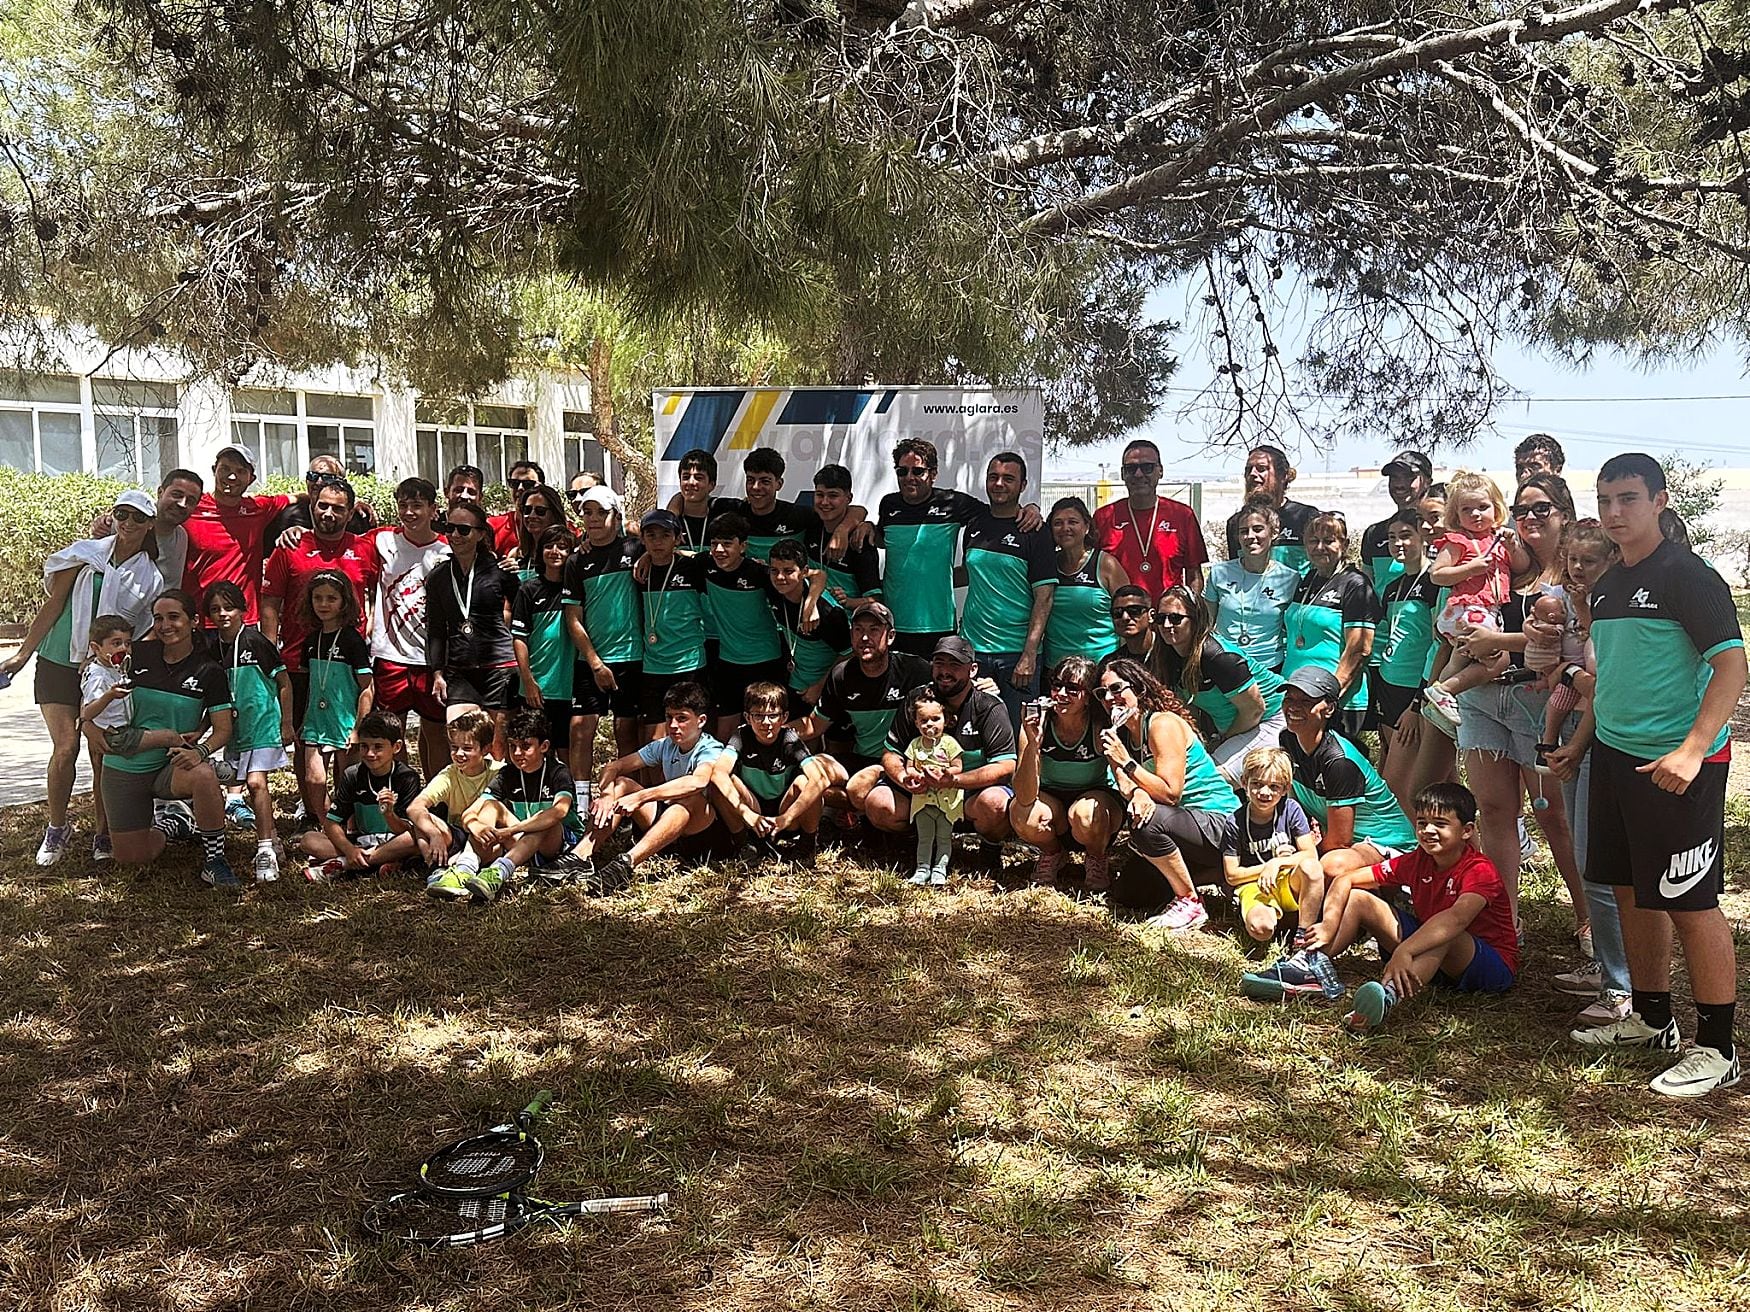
(1178, 802)
(1062, 782)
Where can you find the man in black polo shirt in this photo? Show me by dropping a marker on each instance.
(860, 695)
(1671, 669)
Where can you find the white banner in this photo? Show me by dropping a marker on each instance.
(854, 427)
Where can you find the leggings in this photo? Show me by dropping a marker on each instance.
(935, 839)
(1195, 835)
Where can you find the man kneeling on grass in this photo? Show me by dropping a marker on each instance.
(1459, 930)
(674, 813)
(768, 781)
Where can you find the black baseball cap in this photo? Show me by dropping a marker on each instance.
(955, 648)
(660, 518)
(1316, 682)
(1413, 461)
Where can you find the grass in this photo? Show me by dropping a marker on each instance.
(860, 1096)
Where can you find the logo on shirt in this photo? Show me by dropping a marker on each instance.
(894, 694)
(937, 512)
(1687, 869)
(190, 684)
(1329, 595)
(1641, 599)
(1010, 540)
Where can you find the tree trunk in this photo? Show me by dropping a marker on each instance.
(640, 470)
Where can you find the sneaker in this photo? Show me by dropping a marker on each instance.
(54, 844)
(1702, 1071)
(1372, 1001)
(1583, 981)
(920, 877)
(1629, 1032)
(1527, 848)
(449, 885)
(613, 876)
(266, 865)
(1045, 872)
(1287, 977)
(484, 884)
(238, 811)
(102, 849)
(570, 868)
(322, 872)
(1183, 915)
(220, 875)
(178, 822)
(1097, 872)
(938, 879)
(1606, 1009)
(1442, 701)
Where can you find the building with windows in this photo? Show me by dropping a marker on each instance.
(134, 414)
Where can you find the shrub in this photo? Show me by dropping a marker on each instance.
(42, 513)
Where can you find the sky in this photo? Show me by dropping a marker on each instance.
(1699, 410)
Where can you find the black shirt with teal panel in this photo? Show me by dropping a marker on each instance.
(168, 696)
(768, 769)
(354, 804)
(598, 581)
(527, 793)
(861, 707)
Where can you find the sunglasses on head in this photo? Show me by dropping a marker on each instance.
(1540, 510)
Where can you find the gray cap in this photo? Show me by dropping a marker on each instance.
(1316, 682)
(873, 610)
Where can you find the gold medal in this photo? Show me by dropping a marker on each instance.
(652, 636)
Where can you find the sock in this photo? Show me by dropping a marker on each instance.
(166, 824)
(467, 859)
(213, 844)
(1713, 1026)
(1654, 1008)
(264, 845)
(506, 866)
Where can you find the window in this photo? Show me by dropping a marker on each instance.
(40, 426)
(493, 437)
(135, 425)
(288, 429)
(583, 454)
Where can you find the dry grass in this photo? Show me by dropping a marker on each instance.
(860, 1096)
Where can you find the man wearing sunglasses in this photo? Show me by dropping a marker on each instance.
(525, 474)
(1133, 620)
(322, 471)
(1157, 539)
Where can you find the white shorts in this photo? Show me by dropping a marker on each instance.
(235, 767)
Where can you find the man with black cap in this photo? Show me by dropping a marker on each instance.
(673, 595)
(979, 723)
(1360, 822)
(860, 695)
(227, 533)
(1408, 476)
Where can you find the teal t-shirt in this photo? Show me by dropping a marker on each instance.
(1004, 567)
(252, 665)
(674, 616)
(598, 581)
(537, 620)
(1249, 609)
(918, 584)
(1319, 619)
(740, 615)
(56, 647)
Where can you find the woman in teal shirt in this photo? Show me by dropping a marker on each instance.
(1331, 619)
(1080, 623)
(1062, 783)
(1250, 593)
(1241, 707)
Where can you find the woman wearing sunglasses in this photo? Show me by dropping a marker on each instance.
(1179, 804)
(538, 508)
(95, 576)
(1243, 706)
(1063, 785)
(467, 617)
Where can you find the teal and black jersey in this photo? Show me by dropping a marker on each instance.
(1205, 789)
(981, 726)
(1222, 675)
(1004, 566)
(1068, 768)
(1319, 619)
(598, 581)
(674, 616)
(860, 706)
(178, 697)
(338, 665)
(1655, 627)
(537, 620)
(252, 665)
(1335, 773)
(354, 805)
(812, 654)
(527, 793)
(857, 575)
(786, 519)
(1080, 623)
(1376, 561)
(1410, 602)
(740, 616)
(920, 542)
(1290, 548)
(768, 770)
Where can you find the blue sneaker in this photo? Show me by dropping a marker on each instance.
(238, 811)
(220, 875)
(1372, 1001)
(1289, 976)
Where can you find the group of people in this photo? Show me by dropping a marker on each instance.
(1285, 728)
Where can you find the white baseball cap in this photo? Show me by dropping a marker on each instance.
(134, 499)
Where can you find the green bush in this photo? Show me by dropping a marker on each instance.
(40, 513)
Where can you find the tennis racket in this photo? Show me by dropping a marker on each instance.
(482, 1166)
(433, 1221)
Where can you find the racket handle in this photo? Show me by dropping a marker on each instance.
(536, 1106)
(639, 1203)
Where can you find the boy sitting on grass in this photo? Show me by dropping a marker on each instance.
(767, 780)
(366, 830)
(526, 816)
(1459, 930)
(1271, 857)
(437, 812)
(676, 811)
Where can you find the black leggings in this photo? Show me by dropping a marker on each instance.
(1195, 835)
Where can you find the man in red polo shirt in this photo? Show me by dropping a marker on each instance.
(227, 532)
(1157, 540)
(329, 545)
(525, 474)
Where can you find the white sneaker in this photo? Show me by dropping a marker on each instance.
(1442, 701)
(267, 865)
(920, 878)
(54, 844)
(938, 879)
(1629, 1032)
(1702, 1071)
(1583, 981)
(1606, 1009)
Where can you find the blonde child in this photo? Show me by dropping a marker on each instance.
(1271, 857)
(105, 711)
(436, 814)
(1477, 558)
(261, 694)
(930, 756)
(1585, 552)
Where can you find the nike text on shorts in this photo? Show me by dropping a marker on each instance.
(1669, 846)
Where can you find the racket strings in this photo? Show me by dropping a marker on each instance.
(490, 1167)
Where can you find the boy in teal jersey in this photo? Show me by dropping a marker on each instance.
(814, 651)
(366, 829)
(1408, 475)
(546, 660)
(767, 518)
(1671, 671)
(749, 647)
(1361, 823)
(673, 595)
(261, 695)
(1403, 648)
(767, 781)
(603, 614)
(1011, 576)
(527, 815)
(854, 577)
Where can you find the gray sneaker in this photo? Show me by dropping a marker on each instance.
(266, 865)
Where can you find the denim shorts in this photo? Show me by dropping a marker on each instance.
(1502, 720)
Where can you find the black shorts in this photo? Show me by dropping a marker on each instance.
(1671, 847)
(653, 690)
(1391, 701)
(729, 683)
(300, 695)
(919, 644)
(622, 701)
(559, 716)
(57, 685)
(490, 687)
